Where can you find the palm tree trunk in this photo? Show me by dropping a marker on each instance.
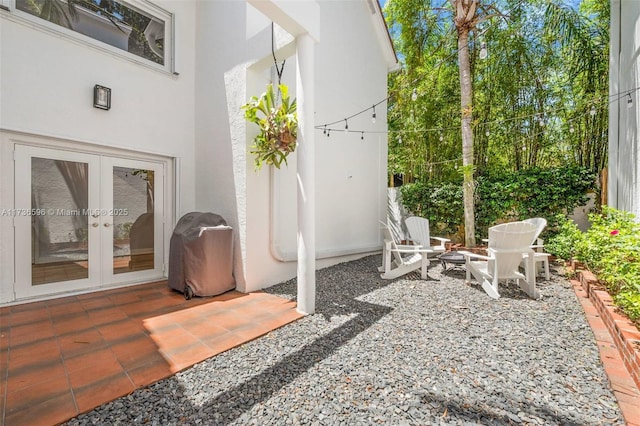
(466, 96)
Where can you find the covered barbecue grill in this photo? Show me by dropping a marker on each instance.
(201, 255)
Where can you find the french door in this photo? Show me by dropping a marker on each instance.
(85, 221)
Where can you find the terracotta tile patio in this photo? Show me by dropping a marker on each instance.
(62, 357)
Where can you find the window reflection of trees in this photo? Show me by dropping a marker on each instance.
(145, 34)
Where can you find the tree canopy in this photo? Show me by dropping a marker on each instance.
(540, 87)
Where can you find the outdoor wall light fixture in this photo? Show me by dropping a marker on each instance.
(101, 97)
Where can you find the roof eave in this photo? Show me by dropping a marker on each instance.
(384, 37)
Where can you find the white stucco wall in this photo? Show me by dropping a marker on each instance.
(223, 56)
(351, 75)
(624, 146)
(46, 91)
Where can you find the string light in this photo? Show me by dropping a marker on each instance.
(373, 116)
(536, 116)
(483, 55)
(483, 50)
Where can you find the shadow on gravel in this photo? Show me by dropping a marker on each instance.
(339, 288)
(488, 415)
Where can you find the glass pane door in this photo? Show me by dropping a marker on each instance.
(60, 228)
(57, 240)
(133, 220)
(85, 221)
(132, 207)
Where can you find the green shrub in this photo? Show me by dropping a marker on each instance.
(533, 192)
(611, 250)
(502, 197)
(440, 203)
(564, 243)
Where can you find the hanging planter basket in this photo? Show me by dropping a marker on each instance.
(278, 123)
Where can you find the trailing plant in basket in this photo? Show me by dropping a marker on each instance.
(278, 122)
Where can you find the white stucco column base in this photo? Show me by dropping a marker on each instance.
(305, 46)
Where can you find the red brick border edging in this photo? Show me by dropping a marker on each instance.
(625, 334)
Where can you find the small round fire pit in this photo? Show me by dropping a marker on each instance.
(452, 257)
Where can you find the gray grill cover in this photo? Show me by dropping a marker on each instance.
(201, 255)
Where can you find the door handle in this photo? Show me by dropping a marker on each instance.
(95, 224)
(106, 225)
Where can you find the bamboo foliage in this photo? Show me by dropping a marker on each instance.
(532, 97)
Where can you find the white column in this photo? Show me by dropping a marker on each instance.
(305, 46)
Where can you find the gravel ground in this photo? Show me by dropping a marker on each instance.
(402, 352)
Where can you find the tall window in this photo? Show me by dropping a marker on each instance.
(114, 22)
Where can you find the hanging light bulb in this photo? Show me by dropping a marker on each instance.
(571, 129)
(346, 126)
(524, 147)
(373, 116)
(483, 50)
(487, 133)
(441, 137)
(325, 129)
(592, 111)
(414, 95)
(399, 140)
(328, 130)
(541, 122)
(629, 101)
(362, 136)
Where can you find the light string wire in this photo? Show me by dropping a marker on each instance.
(589, 106)
(327, 129)
(435, 68)
(616, 97)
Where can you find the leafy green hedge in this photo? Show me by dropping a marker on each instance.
(502, 197)
(610, 249)
(440, 203)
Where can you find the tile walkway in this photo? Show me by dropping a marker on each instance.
(62, 357)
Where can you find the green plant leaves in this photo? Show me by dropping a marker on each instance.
(278, 123)
(611, 249)
(502, 197)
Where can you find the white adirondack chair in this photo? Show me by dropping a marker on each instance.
(400, 259)
(508, 243)
(539, 256)
(419, 233)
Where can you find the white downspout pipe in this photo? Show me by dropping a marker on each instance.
(305, 46)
